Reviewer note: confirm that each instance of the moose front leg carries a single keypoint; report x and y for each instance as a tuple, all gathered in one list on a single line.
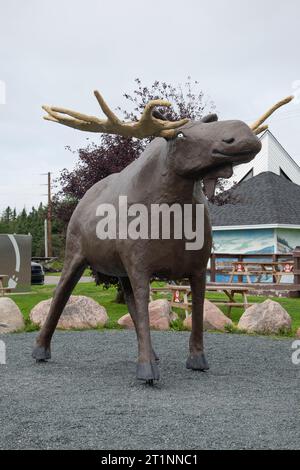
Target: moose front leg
[(196, 359), (147, 368)]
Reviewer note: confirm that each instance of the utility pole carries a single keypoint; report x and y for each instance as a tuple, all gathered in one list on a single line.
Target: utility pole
[(48, 220), (46, 238), (49, 217)]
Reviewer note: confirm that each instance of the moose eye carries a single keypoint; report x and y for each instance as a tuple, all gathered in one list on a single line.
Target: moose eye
[(180, 135)]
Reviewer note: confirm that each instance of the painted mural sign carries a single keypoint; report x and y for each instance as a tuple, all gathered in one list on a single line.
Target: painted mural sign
[(256, 241), (244, 241), (287, 239), (269, 240), (15, 261)]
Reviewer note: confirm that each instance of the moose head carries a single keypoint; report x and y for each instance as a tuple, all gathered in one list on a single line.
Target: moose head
[(208, 150)]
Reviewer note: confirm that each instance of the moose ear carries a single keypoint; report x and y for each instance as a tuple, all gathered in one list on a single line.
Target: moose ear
[(209, 118)]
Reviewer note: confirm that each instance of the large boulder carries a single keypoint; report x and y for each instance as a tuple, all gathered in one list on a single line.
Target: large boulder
[(160, 316), (11, 318), (126, 322), (268, 317), (213, 318), (80, 312)]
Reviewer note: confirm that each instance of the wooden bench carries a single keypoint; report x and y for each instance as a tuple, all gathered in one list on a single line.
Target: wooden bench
[(181, 295), (230, 291), (259, 269), (3, 290), (268, 288)]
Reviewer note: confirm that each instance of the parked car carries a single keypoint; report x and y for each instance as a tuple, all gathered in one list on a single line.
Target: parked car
[(37, 273)]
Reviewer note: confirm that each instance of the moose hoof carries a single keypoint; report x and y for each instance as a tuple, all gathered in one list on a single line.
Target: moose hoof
[(147, 371), (197, 362), (41, 354)]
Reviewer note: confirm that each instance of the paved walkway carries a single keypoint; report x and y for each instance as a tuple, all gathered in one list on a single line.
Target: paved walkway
[(53, 280), (87, 395)]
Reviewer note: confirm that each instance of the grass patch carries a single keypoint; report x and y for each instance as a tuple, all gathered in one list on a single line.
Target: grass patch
[(86, 273), (106, 297)]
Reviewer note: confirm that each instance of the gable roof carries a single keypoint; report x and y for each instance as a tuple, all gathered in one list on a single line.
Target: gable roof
[(264, 199), (272, 157)]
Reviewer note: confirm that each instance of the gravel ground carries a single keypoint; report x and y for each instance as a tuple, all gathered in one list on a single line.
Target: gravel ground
[(87, 396)]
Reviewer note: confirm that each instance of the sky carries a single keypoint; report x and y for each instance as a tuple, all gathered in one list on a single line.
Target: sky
[(245, 55)]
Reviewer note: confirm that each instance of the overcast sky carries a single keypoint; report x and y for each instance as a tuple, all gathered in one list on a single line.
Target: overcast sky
[(244, 53)]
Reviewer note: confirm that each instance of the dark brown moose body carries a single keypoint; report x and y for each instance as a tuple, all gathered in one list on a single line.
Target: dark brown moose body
[(168, 172)]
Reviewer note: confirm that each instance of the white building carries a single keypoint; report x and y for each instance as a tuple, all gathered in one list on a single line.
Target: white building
[(272, 157), (264, 213)]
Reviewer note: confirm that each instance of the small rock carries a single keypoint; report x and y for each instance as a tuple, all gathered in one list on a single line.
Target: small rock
[(160, 316), (11, 318), (213, 318), (266, 317), (80, 312)]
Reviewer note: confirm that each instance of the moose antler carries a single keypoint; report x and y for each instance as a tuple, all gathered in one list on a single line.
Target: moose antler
[(147, 126), (257, 125)]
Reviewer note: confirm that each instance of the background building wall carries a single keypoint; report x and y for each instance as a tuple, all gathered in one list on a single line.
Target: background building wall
[(259, 164), (280, 159), (287, 239), (244, 241), (272, 157)]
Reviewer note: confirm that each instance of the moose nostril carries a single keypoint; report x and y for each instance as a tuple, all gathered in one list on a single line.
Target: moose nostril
[(229, 141)]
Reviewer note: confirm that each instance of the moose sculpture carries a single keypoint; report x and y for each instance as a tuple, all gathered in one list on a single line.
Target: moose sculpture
[(167, 172)]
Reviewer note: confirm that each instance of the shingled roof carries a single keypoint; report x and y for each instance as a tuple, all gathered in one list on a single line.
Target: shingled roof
[(264, 199)]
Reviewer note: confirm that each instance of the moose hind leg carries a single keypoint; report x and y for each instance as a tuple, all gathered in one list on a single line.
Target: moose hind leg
[(147, 368), (72, 272), (197, 359), (129, 297)]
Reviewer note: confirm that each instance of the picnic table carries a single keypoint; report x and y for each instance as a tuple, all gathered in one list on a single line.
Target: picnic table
[(181, 295), (3, 290), (259, 269)]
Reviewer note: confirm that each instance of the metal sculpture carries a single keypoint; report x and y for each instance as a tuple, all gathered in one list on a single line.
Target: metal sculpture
[(167, 172)]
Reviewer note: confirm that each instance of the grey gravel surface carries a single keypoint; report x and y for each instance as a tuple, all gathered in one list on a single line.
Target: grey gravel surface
[(87, 397)]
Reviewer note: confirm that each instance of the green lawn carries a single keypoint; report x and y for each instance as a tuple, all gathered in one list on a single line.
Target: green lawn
[(106, 298), (87, 273)]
